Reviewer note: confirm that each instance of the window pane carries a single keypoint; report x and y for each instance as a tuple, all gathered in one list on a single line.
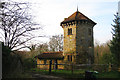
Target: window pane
[(44, 61), (71, 58), (68, 58), (69, 31)]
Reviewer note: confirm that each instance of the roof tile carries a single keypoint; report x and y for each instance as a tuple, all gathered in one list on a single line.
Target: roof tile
[(76, 17), (51, 55)]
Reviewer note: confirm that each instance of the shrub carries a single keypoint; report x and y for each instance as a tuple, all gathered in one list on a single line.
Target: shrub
[(29, 63)]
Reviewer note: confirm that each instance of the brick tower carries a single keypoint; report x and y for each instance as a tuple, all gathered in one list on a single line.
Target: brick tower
[(78, 39)]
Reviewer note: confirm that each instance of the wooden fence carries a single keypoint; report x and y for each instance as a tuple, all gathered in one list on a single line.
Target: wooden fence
[(95, 67)]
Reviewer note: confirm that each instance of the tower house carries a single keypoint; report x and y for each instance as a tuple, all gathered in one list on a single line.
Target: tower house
[(78, 44)]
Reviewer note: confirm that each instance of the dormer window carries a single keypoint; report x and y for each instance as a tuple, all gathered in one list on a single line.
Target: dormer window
[(69, 31)]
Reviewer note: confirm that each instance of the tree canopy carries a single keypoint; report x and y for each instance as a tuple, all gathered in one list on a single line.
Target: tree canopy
[(115, 42)]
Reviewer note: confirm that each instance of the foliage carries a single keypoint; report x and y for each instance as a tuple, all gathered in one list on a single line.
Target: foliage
[(29, 63), (11, 63), (106, 58), (115, 42), (17, 25), (103, 54), (6, 59)]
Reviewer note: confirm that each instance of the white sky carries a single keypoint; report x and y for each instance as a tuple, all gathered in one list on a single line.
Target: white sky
[(49, 13)]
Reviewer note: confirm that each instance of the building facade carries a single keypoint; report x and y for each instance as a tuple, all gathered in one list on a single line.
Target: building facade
[(78, 39), (78, 47), (56, 58)]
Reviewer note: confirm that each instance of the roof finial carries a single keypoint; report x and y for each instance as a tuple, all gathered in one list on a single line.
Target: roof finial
[(77, 8)]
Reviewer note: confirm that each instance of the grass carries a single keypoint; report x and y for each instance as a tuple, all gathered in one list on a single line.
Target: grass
[(77, 73), (64, 74), (61, 73), (18, 75), (112, 74), (68, 73)]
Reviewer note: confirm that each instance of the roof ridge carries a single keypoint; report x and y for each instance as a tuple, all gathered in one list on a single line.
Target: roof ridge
[(77, 16)]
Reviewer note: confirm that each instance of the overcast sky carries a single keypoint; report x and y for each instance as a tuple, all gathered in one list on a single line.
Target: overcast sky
[(49, 13)]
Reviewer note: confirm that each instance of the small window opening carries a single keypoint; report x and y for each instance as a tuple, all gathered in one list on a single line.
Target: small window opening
[(44, 61), (69, 57), (69, 31)]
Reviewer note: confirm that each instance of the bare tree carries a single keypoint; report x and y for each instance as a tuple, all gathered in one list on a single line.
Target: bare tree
[(32, 47), (56, 43), (17, 26), (42, 48)]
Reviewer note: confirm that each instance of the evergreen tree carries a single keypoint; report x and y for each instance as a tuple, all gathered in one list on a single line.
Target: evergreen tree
[(115, 42)]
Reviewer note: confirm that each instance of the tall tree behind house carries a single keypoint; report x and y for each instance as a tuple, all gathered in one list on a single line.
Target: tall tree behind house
[(56, 43)]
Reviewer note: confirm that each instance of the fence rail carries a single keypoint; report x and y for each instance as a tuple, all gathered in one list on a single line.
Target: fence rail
[(97, 67), (78, 64)]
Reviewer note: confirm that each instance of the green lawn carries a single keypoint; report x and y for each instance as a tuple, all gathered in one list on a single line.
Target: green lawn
[(112, 74), (77, 73), (65, 74), (18, 75), (62, 73)]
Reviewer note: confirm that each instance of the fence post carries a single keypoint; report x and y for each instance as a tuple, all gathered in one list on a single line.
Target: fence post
[(72, 68), (109, 67), (50, 63), (119, 69)]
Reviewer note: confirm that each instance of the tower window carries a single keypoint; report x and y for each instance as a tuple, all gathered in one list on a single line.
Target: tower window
[(44, 61), (90, 44), (69, 57), (89, 31), (69, 31)]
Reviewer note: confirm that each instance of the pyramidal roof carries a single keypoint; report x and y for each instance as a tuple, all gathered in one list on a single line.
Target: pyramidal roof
[(76, 17)]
